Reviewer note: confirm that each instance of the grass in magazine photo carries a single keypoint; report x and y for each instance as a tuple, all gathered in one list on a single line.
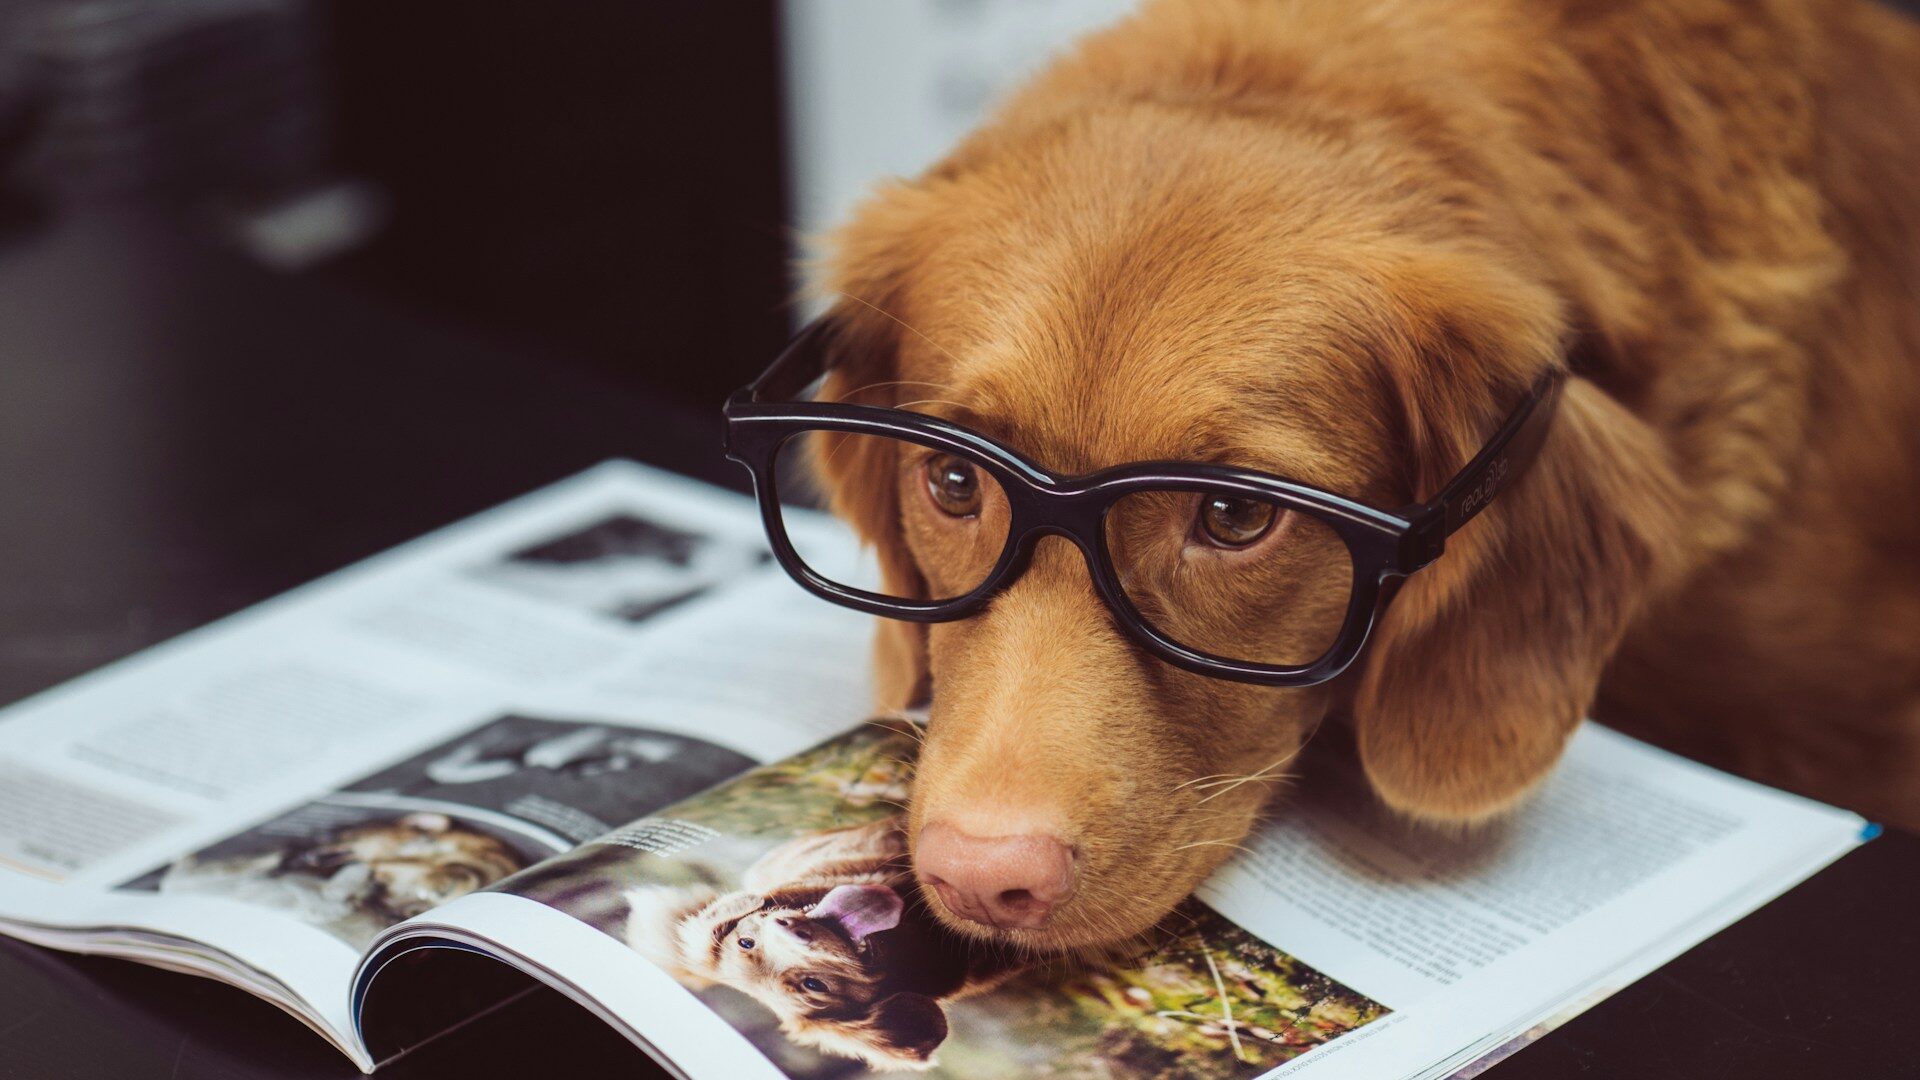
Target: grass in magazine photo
[(784, 900), (452, 819)]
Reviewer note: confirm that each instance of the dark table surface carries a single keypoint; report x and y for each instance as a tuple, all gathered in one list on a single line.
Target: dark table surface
[(183, 434)]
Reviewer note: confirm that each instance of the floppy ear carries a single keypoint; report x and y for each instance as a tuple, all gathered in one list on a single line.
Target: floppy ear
[(859, 475), (901, 1033), (909, 1028), (1488, 659), (866, 269), (655, 914)]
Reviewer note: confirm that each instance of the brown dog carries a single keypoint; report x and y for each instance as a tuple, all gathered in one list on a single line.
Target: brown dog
[(827, 933), (1335, 240)]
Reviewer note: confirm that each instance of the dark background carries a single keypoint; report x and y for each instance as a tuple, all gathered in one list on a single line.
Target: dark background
[(570, 242), (601, 180), (602, 177)]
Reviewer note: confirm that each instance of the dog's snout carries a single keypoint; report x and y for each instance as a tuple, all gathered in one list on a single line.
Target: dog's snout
[(1007, 882)]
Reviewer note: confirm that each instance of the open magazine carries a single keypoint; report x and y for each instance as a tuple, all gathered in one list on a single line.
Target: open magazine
[(594, 741)]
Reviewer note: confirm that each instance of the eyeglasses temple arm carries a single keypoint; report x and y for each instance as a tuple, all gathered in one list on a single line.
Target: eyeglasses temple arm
[(798, 365), (1504, 459)]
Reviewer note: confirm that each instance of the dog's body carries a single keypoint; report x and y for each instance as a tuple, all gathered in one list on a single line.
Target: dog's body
[(1334, 240), (880, 970), (1789, 647)]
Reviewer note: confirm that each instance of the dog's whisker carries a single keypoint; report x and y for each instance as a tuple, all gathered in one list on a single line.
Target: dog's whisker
[(1202, 779), (893, 726), (1223, 842), (839, 447), (882, 385), (930, 401), (1262, 775), (904, 325), (1238, 779)]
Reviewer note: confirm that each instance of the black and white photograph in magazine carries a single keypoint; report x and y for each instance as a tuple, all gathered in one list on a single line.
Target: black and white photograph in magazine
[(456, 817), (622, 567)]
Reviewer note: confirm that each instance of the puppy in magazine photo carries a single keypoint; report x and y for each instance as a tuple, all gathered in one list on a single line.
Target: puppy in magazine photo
[(829, 933), (359, 880)]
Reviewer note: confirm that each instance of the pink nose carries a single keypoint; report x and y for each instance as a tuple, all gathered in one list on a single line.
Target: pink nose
[(1007, 882)]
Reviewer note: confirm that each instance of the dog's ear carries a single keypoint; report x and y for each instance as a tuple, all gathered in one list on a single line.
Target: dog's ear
[(1488, 658), (899, 1032), (909, 1028), (655, 916), (859, 477), (866, 269)]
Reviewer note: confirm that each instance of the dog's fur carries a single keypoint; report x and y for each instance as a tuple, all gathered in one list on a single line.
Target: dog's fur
[(881, 996), (358, 880), (1335, 240)]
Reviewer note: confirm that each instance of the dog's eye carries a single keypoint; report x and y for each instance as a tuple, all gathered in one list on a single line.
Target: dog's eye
[(817, 986), (1232, 522), (954, 484), (745, 943)]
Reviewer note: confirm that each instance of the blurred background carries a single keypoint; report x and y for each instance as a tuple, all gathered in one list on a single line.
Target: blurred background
[(605, 183), (286, 282), (616, 184)]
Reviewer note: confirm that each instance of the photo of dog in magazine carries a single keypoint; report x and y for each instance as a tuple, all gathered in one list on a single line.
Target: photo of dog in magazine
[(455, 818), (798, 919)]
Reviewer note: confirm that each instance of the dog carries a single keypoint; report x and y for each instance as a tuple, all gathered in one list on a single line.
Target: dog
[(826, 932), (358, 880), (1336, 240)]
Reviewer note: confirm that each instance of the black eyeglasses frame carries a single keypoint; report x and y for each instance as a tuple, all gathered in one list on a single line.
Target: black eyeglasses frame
[(1384, 546)]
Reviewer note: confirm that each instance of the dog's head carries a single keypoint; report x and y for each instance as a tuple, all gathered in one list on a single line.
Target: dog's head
[(1305, 294), (814, 956), (408, 866)]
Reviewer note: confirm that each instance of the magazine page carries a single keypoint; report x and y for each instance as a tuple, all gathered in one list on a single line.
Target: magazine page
[(257, 799), (770, 926), (1625, 857)]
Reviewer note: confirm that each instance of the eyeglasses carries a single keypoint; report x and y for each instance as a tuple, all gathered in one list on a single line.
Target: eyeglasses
[(1224, 571)]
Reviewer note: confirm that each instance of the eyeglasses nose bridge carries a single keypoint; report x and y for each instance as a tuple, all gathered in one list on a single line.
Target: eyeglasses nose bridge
[(1083, 535)]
